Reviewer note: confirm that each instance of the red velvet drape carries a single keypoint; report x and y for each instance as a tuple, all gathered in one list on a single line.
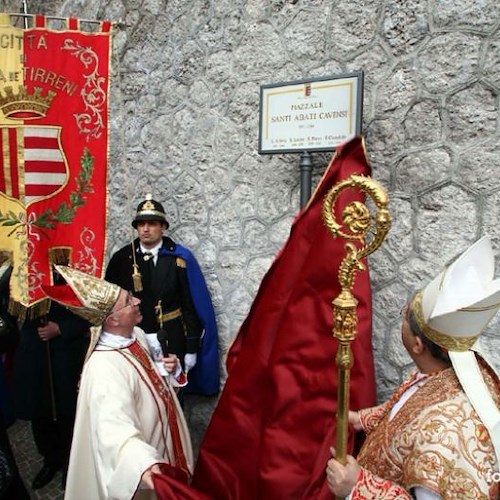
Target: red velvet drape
[(270, 434)]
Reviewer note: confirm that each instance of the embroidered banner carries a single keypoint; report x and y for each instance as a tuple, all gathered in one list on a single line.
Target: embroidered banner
[(54, 87)]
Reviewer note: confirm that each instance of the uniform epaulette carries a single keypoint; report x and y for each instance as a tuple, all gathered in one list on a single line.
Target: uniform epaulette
[(180, 262)]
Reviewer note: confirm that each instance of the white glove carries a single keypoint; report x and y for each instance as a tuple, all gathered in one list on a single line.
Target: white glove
[(189, 361)]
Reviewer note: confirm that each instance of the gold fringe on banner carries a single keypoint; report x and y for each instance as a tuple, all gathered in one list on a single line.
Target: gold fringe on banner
[(35, 311), (60, 255)]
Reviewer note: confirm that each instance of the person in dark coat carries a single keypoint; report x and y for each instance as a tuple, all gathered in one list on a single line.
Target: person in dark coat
[(47, 368), (11, 483), (173, 293)]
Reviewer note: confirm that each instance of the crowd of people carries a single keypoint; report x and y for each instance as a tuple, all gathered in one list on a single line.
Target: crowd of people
[(149, 347), (113, 422)]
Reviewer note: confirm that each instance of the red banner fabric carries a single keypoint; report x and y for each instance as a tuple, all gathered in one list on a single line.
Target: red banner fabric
[(54, 88), (270, 434)]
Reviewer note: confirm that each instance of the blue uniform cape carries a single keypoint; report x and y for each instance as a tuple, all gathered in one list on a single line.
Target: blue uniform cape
[(204, 377)]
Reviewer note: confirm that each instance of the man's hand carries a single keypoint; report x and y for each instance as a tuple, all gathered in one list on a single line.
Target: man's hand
[(341, 479), (353, 419), (189, 361), (147, 477), (49, 331), (171, 362)]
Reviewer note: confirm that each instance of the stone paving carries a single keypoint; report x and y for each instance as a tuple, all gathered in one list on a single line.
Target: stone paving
[(30, 462)]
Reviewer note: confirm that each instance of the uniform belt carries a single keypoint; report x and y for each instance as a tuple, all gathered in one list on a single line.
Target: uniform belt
[(170, 315)]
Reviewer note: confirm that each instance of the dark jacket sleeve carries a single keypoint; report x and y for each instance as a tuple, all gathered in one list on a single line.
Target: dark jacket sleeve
[(113, 270), (194, 328), (119, 269)]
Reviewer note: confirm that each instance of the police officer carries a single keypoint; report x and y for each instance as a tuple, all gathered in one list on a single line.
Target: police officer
[(156, 270)]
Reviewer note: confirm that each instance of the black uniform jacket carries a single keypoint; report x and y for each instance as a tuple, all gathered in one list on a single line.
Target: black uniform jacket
[(164, 284)]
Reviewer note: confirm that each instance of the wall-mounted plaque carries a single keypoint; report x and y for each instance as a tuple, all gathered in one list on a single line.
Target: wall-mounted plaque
[(310, 115)]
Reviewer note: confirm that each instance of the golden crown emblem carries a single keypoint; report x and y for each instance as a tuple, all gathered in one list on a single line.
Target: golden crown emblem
[(25, 104)]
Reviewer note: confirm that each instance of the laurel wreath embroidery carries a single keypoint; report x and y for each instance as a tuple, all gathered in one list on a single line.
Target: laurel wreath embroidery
[(65, 212)]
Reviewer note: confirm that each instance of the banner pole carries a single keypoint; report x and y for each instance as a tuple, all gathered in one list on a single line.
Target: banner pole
[(24, 10), (26, 16), (306, 166)]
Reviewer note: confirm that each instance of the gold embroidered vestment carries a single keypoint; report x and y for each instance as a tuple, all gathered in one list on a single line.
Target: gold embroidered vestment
[(435, 440)]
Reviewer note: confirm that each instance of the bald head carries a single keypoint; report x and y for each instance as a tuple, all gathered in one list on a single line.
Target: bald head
[(124, 315)]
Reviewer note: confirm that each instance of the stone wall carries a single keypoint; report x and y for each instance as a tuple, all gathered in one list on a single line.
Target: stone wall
[(184, 125)]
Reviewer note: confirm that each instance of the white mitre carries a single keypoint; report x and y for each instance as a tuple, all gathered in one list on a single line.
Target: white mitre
[(453, 310)]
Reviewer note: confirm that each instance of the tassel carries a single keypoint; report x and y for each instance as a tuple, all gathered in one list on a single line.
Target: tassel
[(62, 257), (137, 279)]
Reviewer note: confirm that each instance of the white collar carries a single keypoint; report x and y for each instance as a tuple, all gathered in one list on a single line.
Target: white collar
[(115, 341), (153, 251)]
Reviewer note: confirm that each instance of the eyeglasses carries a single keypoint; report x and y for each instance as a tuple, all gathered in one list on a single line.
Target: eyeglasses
[(130, 302)]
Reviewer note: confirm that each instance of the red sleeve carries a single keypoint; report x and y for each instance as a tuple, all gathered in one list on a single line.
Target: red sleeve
[(370, 487)]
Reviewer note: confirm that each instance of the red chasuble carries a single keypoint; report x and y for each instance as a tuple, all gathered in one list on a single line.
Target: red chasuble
[(270, 434)]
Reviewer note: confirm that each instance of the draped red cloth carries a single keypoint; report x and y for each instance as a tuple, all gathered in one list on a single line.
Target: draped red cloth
[(171, 484), (270, 434)]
